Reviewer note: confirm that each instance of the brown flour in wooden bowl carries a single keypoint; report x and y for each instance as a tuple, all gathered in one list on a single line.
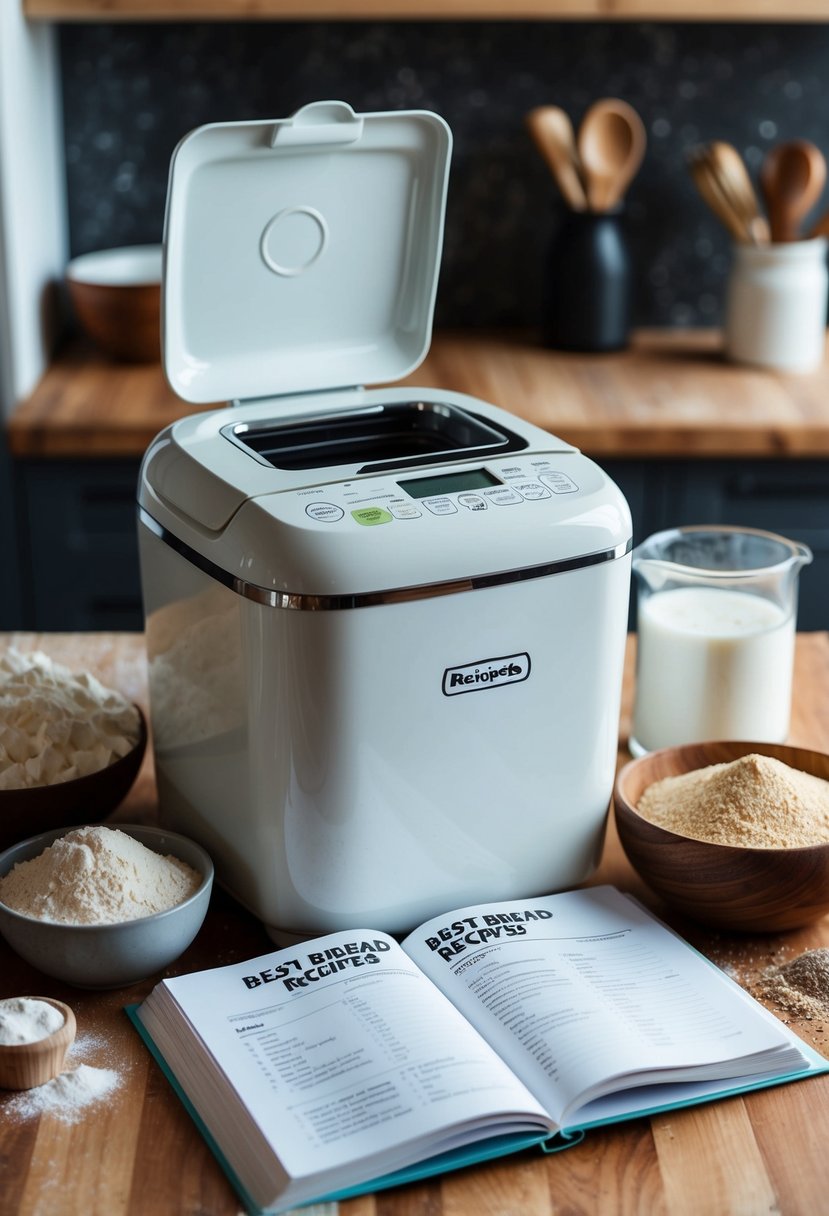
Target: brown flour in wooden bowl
[(756, 800), (733, 834)]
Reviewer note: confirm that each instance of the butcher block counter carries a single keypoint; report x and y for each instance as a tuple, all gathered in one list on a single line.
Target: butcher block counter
[(671, 394), (138, 1153)]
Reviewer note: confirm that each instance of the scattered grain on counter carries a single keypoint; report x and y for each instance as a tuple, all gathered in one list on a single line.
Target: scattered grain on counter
[(800, 986), (97, 876), (756, 801)]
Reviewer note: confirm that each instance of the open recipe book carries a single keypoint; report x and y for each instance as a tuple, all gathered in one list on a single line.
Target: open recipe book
[(352, 1062)]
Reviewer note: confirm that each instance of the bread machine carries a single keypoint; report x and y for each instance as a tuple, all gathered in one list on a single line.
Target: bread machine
[(385, 626)]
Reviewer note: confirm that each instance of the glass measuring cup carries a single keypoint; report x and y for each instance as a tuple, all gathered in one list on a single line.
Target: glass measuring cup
[(716, 611)]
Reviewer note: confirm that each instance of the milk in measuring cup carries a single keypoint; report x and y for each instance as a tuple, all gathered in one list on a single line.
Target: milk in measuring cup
[(712, 664)]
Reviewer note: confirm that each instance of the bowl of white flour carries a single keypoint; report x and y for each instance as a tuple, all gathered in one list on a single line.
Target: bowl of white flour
[(103, 907), (70, 747)]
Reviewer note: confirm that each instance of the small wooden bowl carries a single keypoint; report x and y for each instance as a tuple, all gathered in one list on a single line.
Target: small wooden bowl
[(116, 295), (25, 1065), (730, 886)]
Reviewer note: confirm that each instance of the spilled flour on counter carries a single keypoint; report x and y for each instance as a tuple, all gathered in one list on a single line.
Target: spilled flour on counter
[(69, 1096), (66, 1097), (97, 876)]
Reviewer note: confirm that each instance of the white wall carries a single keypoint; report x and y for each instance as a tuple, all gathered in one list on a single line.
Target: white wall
[(33, 229)]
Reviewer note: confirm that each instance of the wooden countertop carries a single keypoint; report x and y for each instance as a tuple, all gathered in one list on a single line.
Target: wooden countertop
[(139, 1155), (670, 395)]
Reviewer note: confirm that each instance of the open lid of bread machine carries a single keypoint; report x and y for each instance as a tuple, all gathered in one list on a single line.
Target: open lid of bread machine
[(302, 254)]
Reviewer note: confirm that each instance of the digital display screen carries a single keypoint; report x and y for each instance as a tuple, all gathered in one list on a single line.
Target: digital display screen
[(449, 483)]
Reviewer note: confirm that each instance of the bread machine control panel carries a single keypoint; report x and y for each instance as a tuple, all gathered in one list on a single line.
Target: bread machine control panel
[(491, 488)]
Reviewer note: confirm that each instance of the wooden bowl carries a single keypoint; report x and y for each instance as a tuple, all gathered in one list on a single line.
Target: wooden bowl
[(730, 886), (116, 296), (29, 812), (25, 1065)]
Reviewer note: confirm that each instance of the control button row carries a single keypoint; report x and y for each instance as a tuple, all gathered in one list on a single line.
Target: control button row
[(533, 490), (500, 496)]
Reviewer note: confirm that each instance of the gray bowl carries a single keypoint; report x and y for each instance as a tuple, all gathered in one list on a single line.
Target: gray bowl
[(109, 956)]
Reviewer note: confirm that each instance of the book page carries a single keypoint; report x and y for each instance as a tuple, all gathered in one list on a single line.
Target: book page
[(584, 992), (339, 1049)]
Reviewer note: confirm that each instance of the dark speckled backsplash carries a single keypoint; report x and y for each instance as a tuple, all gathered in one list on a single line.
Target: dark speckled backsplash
[(131, 91)]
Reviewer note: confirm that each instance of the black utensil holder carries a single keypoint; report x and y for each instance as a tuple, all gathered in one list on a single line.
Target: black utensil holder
[(588, 289)]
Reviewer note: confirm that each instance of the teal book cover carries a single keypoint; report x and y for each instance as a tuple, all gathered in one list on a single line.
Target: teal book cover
[(354, 1062)]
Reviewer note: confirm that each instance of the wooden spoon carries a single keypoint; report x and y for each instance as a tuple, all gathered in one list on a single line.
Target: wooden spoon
[(611, 145), (792, 178), (735, 182), (708, 184), (552, 132)]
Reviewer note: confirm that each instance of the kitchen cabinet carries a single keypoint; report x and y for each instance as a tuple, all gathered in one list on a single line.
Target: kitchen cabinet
[(385, 10), (80, 547), (11, 607), (792, 499), (689, 439)]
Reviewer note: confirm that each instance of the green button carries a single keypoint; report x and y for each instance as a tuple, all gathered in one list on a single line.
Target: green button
[(371, 515)]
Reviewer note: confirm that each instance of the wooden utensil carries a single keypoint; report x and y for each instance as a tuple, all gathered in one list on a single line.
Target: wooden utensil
[(611, 146), (25, 1065), (553, 135), (709, 186), (730, 886), (732, 174), (792, 178)]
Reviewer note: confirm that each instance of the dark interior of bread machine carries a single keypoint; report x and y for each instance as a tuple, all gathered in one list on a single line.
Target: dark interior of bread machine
[(386, 437)]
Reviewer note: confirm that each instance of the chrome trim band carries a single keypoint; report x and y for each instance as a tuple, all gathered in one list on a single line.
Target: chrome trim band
[(371, 599)]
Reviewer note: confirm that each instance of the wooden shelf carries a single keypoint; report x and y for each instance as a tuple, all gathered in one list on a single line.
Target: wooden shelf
[(423, 10), (670, 395)]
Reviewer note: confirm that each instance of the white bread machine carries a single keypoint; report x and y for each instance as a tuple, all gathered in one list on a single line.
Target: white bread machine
[(385, 627)]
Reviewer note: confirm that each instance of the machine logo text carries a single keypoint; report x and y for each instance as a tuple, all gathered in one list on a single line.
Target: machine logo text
[(486, 673)]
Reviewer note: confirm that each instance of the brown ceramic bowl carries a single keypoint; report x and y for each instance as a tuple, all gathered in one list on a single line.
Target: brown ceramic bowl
[(730, 886), (28, 812), (116, 295)]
